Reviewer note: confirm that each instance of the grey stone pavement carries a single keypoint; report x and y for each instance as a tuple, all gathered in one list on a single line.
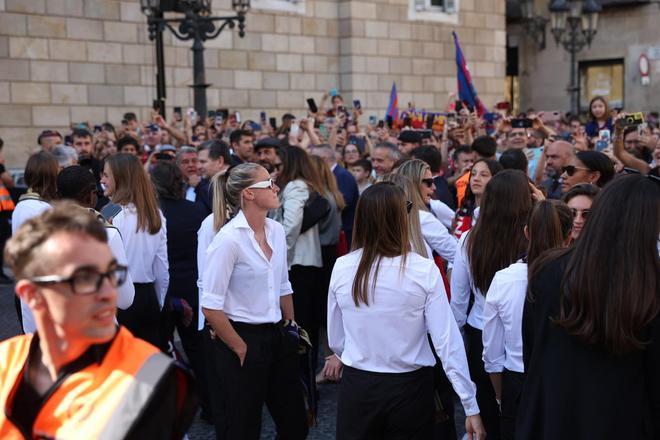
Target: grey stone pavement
[(200, 430)]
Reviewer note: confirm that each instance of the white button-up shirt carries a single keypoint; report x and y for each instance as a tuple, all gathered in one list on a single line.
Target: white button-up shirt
[(238, 278), (502, 317), (461, 286), (205, 236), (437, 236), (146, 253), (390, 334)]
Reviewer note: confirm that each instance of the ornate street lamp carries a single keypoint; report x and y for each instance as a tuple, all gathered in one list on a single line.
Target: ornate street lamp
[(197, 24), (534, 24), (574, 24)]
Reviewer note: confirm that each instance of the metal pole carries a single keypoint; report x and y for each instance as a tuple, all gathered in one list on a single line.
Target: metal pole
[(199, 77), (573, 50), (161, 94)]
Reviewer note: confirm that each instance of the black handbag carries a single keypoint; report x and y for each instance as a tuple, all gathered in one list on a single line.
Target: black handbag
[(316, 209)]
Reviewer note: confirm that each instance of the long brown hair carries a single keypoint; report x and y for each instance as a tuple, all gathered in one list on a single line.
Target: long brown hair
[(297, 165), (132, 185), (413, 195), (498, 239), (328, 181), (548, 227), (621, 237), (380, 230), (41, 173)]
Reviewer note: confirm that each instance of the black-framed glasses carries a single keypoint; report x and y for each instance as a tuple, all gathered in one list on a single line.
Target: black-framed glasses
[(584, 213), (409, 206), (571, 169), (428, 182), (86, 281)]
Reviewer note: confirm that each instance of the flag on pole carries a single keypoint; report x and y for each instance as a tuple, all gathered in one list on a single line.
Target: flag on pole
[(466, 91), (393, 106)]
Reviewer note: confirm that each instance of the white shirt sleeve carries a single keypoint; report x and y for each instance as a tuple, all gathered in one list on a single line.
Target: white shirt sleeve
[(335, 324), (161, 266), (460, 283), (204, 238), (493, 333), (220, 258), (442, 212), (285, 284), (437, 236), (126, 292), (448, 344)]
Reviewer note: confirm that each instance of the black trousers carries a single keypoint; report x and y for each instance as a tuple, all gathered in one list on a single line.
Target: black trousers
[(489, 411), (307, 299), (143, 317), (512, 385), (392, 406), (269, 374)]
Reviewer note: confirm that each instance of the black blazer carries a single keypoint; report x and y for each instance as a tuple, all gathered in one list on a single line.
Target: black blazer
[(580, 392), (203, 196)]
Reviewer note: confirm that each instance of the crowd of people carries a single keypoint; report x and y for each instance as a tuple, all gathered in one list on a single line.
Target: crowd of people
[(509, 262)]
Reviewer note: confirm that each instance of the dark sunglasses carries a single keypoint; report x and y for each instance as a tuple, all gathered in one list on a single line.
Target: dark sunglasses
[(428, 182), (571, 169), (409, 206), (585, 213)]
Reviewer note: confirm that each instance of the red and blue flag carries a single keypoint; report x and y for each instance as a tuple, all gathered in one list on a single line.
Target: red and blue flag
[(393, 106), (466, 91)]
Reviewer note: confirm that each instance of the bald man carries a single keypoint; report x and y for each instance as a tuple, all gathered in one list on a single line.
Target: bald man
[(557, 155)]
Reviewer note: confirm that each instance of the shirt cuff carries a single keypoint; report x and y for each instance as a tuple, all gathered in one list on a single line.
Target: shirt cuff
[(212, 301), (471, 407)]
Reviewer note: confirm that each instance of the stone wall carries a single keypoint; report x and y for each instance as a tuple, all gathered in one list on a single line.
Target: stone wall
[(623, 33), (66, 61)]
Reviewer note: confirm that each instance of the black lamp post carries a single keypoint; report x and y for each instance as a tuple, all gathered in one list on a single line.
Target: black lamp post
[(574, 24), (534, 24), (198, 25)]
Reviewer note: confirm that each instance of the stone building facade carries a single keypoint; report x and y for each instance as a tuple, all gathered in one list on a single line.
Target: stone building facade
[(66, 61), (626, 30)]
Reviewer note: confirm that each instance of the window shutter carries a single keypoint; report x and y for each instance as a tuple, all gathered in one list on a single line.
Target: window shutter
[(450, 6), (420, 5)]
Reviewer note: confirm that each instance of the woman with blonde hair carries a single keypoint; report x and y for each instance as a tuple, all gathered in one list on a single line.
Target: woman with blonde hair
[(247, 299), (143, 230), (383, 302), (435, 234)]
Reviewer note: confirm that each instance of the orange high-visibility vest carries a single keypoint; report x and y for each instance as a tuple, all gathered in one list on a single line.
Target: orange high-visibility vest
[(101, 401), (6, 203)]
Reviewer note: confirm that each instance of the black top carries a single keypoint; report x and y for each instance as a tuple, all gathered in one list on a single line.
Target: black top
[(575, 391), (163, 417), (349, 189)]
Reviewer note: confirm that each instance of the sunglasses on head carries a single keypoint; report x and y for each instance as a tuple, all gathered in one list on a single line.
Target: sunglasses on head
[(571, 169), (428, 182)]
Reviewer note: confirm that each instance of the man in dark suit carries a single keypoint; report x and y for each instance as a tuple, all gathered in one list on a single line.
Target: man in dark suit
[(213, 158), (347, 185)]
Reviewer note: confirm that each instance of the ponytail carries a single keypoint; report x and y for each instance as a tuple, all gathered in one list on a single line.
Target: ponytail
[(227, 190)]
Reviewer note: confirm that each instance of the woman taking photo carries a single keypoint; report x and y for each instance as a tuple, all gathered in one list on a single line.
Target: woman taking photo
[(299, 180), (579, 200), (246, 294), (466, 216), (587, 167), (548, 227), (607, 326), (494, 243), (382, 302), (142, 228)]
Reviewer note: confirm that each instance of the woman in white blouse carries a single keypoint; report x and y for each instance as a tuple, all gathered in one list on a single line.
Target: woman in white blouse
[(383, 301), (41, 178), (495, 242), (143, 231), (548, 227), (246, 295)]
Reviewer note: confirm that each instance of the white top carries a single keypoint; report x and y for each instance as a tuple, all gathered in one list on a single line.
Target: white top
[(146, 253), (205, 236), (25, 210), (442, 212), (390, 334), (502, 318), (303, 249), (437, 236), (238, 278), (461, 286)]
